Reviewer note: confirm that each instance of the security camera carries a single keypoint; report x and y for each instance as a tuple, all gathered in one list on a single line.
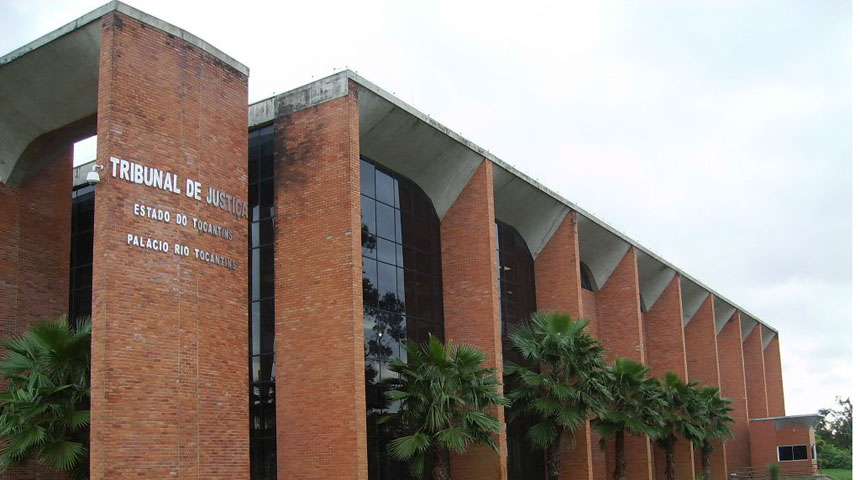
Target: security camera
[(93, 177)]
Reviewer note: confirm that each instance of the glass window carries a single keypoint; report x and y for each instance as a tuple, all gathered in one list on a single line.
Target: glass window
[(261, 308), (791, 453), (81, 257), (402, 293)]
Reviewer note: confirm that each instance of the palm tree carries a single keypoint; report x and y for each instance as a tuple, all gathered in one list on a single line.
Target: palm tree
[(634, 407), (679, 416), (44, 411), (560, 386), (445, 397), (714, 419)]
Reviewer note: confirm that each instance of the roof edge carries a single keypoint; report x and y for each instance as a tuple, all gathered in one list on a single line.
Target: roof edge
[(117, 6)]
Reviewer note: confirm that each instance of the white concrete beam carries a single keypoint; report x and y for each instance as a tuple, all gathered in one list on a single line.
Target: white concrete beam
[(723, 312), (599, 249), (654, 277), (692, 298)]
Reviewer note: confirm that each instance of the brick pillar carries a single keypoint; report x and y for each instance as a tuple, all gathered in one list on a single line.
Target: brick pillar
[(35, 227), (621, 332), (773, 375), (703, 365), (471, 299), (319, 338), (754, 374), (733, 386), (558, 287), (666, 352), (170, 344)]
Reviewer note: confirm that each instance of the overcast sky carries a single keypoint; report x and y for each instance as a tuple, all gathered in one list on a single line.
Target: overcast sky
[(716, 133)]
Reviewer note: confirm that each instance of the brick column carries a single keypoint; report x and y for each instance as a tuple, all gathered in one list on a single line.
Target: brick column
[(319, 339), (754, 374), (703, 365), (666, 352), (170, 344), (471, 299), (620, 326), (733, 386), (35, 231), (558, 287), (773, 375)]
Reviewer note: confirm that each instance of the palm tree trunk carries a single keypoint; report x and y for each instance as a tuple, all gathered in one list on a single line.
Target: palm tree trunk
[(553, 460), (441, 464), (670, 458), (706, 464), (620, 467)]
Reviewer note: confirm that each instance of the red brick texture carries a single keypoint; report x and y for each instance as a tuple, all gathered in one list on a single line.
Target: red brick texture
[(170, 345), (666, 352), (755, 377), (773, 376), (471, 300), (765, 438), (620, 327), (733, 386), (319, 339), (558, 287), (34, 259), (703, 365)]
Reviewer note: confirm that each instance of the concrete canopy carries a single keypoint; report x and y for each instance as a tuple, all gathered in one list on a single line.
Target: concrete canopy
[(654, 277), (747, 325), (767, 335), (692, 298), (535, 215), (723, 311), (49, 90), (808, 421), (600, 250)]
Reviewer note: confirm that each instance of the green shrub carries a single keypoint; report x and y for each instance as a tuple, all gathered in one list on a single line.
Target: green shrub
[(773, 471), (831, 456)]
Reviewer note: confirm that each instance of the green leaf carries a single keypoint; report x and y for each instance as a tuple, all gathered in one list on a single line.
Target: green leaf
[(62, 455)]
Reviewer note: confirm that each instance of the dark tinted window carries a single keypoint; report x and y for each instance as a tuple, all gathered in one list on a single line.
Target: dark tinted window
[(517, 298), (402, 289), (261, 307), (81, 255)]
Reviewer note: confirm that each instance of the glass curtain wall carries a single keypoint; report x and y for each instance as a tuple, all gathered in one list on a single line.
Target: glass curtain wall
[(518, 302), (81, 258), (261, 308), (402, 289)]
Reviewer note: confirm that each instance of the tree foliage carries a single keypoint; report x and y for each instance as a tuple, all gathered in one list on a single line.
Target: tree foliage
[(714, 419), (560, 386), (679, 417), (44, 410), (445, 397), (833, 435)]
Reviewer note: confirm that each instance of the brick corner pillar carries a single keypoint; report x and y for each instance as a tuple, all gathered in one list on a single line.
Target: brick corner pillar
[(666, 352), (755, 374), (319, 339), (558, 287), (621, 332), (733, 386), (773, 375), (170, 302), (703, 365), (471, 299), (35, 227)]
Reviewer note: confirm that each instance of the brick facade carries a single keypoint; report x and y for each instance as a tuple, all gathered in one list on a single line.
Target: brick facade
[(621, 331), (471, 300), (319, 339), (755, 378), (733, 386), (170, 345), (558, 287), (773, 376), (34, 259)]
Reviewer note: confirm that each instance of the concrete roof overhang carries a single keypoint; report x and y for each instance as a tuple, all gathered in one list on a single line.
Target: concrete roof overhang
[(654, 277), (49, 90), (692, 298), (808, 421), (441, 161), (748, 323), (767, 336)]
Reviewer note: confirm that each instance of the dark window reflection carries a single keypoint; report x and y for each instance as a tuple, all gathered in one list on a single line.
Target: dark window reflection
[(261, 308), (402, 289), (517, 298), (81, 255)]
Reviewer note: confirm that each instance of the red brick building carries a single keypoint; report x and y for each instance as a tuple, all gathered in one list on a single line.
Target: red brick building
[(250, 271)]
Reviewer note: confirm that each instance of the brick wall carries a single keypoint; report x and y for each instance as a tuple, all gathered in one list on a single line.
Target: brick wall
[(170, 346), (471, 300), (35, 229), (620, 326), (558, 287), (666, 352), (773, 376), (733, 386), (703, 365), (319, 339), (755, 377)]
